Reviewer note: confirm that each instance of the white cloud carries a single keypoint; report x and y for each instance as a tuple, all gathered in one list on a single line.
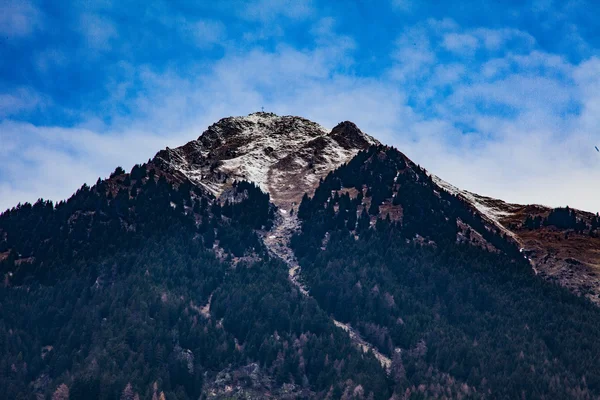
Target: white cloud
[(269, 10), (263, 33), (447, 74), (97, 30), (19, 100), (49, 58), (208, 32), (271, 16), (18, 18), (497, 39), (540, 154), (414, 55), (53, 162), (467, 42), (461, 43), (402, 5)]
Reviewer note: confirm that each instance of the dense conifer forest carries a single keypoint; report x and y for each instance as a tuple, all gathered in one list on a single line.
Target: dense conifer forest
[(437, 304), (145, 286), (105, 297)]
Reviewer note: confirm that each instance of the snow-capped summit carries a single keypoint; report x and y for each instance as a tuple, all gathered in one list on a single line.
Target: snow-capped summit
[(285, 155)]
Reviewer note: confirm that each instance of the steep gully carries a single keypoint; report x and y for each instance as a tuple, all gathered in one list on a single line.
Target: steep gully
[(277, 241)]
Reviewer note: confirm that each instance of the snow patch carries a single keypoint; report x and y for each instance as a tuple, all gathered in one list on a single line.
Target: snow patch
[(385, 362), (492, 213), (284, 155), (277, 243)]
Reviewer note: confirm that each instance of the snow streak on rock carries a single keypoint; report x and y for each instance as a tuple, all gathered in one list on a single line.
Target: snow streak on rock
[(285, 155), (277, 241), (365, 346), (489, 208)]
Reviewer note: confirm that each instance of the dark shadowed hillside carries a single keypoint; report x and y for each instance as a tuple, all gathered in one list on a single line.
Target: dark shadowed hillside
[(419, 275), (155, 290), (271, 258)]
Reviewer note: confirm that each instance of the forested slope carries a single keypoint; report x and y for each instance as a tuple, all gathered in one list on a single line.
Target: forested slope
[(142, 287), (147, 286), (402, 275)]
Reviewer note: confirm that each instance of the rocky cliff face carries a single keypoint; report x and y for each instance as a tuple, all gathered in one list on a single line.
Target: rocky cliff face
[(285, 155)]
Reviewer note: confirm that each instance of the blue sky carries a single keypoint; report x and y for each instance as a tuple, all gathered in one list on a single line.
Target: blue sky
[(498, 97)]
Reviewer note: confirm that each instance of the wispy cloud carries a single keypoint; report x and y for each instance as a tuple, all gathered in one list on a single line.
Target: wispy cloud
[(460, 43), (53, 162), (98, 31), (209, 32), (268, 10), (489, 108), (517, 126), (19, 18), (402, 5), (19, 100)]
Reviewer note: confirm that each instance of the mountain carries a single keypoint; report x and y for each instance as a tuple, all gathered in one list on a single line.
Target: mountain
[(561, 244), (271, 258), (285, 156)]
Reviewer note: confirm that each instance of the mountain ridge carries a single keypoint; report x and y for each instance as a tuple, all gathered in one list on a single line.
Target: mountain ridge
[(286, 156), (562, 254), (367, 278)]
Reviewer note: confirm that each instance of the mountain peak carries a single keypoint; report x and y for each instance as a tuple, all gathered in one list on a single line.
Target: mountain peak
[(345, 125), (350, 136), (263, 114), (285, 155)]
